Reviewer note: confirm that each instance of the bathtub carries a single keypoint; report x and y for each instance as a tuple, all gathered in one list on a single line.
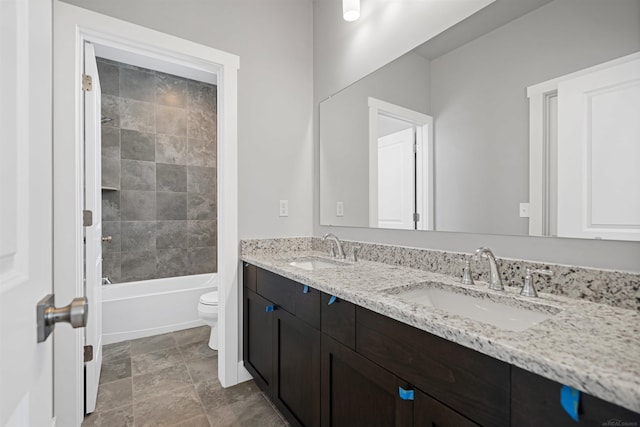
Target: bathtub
[(140, 309)]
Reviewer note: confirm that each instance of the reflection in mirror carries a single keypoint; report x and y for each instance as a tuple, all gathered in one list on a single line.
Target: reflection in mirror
[(522, 121)]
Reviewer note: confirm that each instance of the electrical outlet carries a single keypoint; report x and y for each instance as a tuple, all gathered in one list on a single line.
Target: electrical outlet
[(524, 210), (284, 208), (339, 208)]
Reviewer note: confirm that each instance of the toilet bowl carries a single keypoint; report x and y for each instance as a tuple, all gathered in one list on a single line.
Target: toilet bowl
[(208, 312)]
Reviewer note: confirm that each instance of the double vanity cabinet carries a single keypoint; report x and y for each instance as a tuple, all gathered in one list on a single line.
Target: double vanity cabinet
[(325, 361)]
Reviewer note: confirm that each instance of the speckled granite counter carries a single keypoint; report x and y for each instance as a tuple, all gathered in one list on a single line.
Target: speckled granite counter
[(592, 347)]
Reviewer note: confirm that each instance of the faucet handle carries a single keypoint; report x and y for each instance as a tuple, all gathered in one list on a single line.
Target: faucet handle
[(467, 276), (529, 289), (353, 256)]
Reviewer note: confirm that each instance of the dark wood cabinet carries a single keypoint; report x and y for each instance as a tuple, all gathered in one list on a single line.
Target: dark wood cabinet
[(296, 384), (339, 320), (535, 401), (258, 339), (429, 412), (357, 392)]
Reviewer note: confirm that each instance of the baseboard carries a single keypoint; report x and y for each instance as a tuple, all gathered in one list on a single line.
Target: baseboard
[(243, 374), (131, 335)]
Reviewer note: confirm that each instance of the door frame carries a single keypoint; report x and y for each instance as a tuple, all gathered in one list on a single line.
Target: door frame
[(72, 27)]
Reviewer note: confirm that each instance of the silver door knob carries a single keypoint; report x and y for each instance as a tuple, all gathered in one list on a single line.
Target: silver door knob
[(48, 315)]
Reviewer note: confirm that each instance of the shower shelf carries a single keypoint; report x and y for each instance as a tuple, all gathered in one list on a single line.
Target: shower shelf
[(104, 188)]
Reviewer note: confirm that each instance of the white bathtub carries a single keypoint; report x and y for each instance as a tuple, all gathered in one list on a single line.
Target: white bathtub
[(140, 309)]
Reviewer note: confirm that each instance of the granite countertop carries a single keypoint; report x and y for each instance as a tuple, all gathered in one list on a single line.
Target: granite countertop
[(591, 347)]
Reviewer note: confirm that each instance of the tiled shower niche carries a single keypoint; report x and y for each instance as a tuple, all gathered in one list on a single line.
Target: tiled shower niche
[(159, 143)]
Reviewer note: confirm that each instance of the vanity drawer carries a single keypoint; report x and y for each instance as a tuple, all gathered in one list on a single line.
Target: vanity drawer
[(471, 383), (249, 276), (277, 289), (308, 305), (339, 320)]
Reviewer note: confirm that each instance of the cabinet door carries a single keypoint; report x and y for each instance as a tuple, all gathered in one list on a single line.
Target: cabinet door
[(297, 369), (258, 336), (535, 401), (357, 392), (430, 412)]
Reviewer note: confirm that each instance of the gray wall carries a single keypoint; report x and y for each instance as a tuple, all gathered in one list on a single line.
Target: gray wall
[(481, 111), (275, 95), (159, 153), (333, 40)]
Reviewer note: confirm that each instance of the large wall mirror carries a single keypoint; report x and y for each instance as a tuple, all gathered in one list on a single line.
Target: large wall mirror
[(523, 119)]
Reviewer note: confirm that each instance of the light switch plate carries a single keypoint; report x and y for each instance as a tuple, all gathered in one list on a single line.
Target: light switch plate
[(339, 208), (524, 210), (284, 208)]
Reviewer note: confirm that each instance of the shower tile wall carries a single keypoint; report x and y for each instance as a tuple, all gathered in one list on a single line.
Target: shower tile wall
[(158, 174)]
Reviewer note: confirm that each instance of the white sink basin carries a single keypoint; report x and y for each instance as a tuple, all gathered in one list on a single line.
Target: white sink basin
[(311, 264), (515, 315)]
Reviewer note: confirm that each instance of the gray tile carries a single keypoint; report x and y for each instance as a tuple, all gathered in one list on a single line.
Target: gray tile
[(138, 236), (253, 411), (111, 266), (115, 351), (201, 180), (171, 149), (204, 369), (168, 409), (201, 233), (112, 228), (213, 396), (153, 361), (202, 260), (110, 205), (171, 120), (121, 417), (138, 145), (199, 421), (171, 234), (164, 381), (201, 206), (171, 177), (137, 115), (171, 90), (110, 106), (110, 171), (115, 394), (172, 263), (202, 125), (192, 335), (197, 350), (171, 206), (152, 343), (201, 152), (137, 84), (138, 175), (110, 137), (109, 75), (138, 205), (115, 370), (202, 97), (138, 266)]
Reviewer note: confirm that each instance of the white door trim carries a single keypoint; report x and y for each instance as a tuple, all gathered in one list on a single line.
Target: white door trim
[(72, 26)]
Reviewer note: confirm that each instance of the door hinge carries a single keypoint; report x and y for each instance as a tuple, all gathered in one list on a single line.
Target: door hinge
[(88, 353), (416, 217), (87, 218), (87, 83)]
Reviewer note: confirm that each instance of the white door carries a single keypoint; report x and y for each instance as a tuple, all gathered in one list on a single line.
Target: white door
[(93, 233), (26, 366), (598, 154), (396, 180)]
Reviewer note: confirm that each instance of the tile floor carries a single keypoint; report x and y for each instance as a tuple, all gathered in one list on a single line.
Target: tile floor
[(172, 380)]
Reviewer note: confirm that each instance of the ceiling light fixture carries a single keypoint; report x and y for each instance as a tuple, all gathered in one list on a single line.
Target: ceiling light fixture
[(350, 10)]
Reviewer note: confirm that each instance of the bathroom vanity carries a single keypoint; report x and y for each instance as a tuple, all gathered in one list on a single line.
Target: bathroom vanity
[(338, 345)]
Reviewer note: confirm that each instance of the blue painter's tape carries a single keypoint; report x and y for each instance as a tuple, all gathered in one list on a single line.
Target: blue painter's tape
[(306, 289), (269, 308), (570, 400), (332, 299), (405, 394)]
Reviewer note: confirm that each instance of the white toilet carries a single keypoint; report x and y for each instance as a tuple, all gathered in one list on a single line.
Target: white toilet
[(208, 311)]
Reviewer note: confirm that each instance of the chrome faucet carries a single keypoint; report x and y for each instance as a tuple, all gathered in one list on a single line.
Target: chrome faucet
[(495, 281), (338, 245)]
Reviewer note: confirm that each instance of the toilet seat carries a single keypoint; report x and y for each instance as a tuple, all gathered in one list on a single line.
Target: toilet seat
[(210, 298)]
